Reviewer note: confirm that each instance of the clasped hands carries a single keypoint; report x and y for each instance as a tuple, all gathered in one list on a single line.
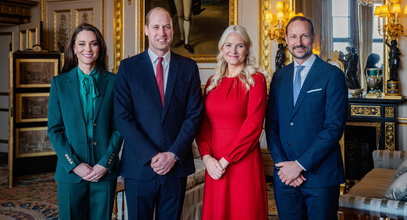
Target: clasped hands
[(216, 168), (290, 173), (163, 162), (88, 173)]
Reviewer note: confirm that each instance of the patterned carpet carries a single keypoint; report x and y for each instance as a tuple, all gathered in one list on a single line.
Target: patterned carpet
[(34, 197)]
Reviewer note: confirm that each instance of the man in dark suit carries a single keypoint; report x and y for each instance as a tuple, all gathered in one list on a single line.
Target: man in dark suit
[(158, 104), (304, 123)]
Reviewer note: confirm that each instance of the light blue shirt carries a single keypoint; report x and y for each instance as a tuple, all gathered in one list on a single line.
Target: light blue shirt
[(165, 63), (307, 67)]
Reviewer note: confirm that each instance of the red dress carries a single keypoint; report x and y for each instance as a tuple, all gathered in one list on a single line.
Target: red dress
[(231, 128)]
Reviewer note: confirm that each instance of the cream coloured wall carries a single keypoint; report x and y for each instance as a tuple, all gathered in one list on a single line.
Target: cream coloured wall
[(403, 79)]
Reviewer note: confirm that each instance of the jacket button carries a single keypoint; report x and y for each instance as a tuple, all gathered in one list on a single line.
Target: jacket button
[(292, 123), (162, 140), (95, 143), (95, 124)]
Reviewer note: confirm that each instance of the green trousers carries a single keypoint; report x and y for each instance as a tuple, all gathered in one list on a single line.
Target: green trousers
[(86, 200)]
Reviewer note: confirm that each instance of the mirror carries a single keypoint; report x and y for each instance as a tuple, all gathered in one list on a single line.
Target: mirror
[(355, 33), (351, 25)]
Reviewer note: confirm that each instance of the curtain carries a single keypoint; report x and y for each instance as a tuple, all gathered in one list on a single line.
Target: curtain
[(320, 12)]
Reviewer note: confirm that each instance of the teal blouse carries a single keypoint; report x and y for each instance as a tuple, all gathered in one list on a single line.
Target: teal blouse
[(88, 91)]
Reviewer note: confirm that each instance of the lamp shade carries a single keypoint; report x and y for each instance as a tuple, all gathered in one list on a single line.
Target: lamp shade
[(395, 8), (405, 10), (384, 10), (377, 10), (280, 15), (280, 6)]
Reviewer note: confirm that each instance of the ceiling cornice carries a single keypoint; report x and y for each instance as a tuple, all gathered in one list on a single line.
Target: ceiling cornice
[(16, 11)]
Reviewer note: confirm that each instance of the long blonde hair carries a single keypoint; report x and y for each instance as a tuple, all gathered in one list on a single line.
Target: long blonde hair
[(250, 62)]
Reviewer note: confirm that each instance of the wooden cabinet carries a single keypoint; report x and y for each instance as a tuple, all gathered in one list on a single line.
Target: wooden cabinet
[(30, 150)]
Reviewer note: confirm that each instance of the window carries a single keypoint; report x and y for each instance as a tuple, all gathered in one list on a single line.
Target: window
[(344, 18), (341, 25)]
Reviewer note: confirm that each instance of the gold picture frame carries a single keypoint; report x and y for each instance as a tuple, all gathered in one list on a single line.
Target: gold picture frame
[(32, 107), (35, 73), (204, 41), (33, 141)]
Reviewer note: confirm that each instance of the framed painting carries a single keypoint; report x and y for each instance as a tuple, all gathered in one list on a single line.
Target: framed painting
[(32, 107), (33, 141), (197, 31), (35, 73)]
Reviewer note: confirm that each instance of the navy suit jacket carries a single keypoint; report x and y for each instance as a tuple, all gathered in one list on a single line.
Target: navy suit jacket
[(147, 127), (310, 131)]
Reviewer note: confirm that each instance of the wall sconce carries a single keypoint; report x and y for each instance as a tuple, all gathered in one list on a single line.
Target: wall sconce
[(389, 11), (276, 22)]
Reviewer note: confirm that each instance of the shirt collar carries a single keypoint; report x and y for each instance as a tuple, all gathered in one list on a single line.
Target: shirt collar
[(92, 73), (154, 57), (307, 63)]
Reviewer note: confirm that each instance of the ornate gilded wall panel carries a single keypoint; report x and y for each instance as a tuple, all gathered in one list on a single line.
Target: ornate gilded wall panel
[(60, 18), (84, 15), (390, 137), (365, 110), (62, 28)]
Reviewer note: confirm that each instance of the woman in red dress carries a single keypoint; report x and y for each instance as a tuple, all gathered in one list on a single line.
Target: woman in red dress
[(228, 141)]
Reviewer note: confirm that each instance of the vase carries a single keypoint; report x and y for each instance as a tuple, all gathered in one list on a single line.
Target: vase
[(373, 81)]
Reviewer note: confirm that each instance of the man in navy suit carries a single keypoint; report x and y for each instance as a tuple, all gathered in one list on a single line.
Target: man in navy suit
[(305, 119), (158, 104)]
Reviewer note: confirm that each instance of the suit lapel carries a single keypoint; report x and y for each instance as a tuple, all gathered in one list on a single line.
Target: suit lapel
[(171, 79), (288, 89), (313, 75), (75, 96), (101, 86), (149, 78)]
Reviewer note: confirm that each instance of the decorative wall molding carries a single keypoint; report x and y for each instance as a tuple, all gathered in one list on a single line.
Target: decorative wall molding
[(16, 12), (61, 17)]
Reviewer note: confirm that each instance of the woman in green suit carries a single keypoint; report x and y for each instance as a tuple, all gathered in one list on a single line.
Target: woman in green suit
[(82, 130)]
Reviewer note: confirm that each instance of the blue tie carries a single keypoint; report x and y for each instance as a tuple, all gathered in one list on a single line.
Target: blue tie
[(297, 83)]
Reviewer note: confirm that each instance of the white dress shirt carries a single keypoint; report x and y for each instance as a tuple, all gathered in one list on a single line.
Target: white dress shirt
[(165, 63)]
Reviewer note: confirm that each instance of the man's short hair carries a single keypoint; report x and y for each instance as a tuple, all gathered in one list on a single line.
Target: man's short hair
[(300, 18), (156, 8)]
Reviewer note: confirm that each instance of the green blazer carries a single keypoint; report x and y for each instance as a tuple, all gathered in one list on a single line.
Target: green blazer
[(67, 129)]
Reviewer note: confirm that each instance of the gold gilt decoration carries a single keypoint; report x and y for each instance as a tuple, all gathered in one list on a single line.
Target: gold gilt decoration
[(61, 28), (390, 140), (118, 34), (16, 12), (264, 42), (365, 110), (389, 112), (84, 15)]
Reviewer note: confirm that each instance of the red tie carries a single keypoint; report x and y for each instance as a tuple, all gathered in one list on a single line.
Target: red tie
[(160, 79)]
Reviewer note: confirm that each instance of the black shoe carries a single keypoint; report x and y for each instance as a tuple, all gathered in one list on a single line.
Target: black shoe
[(189, 48), (179, 43)]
